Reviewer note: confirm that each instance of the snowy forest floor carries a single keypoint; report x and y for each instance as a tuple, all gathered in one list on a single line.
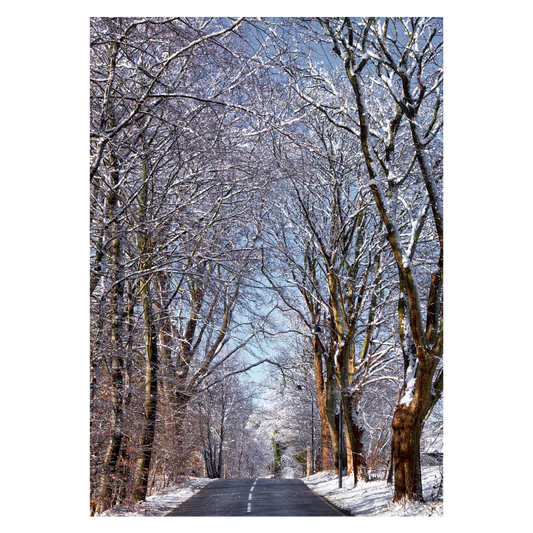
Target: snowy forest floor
[(161, 503), (375, 497), (366, 499)]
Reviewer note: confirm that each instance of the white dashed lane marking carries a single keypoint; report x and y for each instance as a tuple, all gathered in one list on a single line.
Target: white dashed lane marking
[(250, 497)]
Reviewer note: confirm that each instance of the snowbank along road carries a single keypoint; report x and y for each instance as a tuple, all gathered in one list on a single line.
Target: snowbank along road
[(260, 497)]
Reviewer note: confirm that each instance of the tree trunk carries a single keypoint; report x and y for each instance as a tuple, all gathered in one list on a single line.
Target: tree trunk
[(326, 449), (407, 425), (115, 367), (407, 429), (107, 468), (326, 407), (140, 480), (354, 438), (106, 472)]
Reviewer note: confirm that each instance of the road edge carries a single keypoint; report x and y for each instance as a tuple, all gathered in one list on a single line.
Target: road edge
[(343, 512)]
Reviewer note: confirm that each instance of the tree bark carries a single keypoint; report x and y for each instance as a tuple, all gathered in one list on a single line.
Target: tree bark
[(326, 405), (115, 367), (406, 429), (140, 479), (407, 425), (354, 438)]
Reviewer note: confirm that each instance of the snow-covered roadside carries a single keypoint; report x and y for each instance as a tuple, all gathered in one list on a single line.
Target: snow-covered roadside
[(366, 499), (375, 497), (163, 502)]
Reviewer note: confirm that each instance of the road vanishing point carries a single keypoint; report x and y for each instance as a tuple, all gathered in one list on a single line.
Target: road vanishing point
[(259, 497)]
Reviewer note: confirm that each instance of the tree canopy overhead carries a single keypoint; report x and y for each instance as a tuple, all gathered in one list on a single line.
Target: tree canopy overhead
[(251, 178)]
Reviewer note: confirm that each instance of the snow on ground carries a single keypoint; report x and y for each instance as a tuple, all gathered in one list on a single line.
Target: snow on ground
[(366, 499), (161, 503), (375, 497)]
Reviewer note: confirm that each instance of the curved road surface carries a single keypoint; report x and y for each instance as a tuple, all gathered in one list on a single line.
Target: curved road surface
[(259, 497)]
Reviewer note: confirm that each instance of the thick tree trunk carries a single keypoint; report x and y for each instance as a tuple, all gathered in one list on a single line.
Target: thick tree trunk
[(354, 438), (407, 425), (407, 429)]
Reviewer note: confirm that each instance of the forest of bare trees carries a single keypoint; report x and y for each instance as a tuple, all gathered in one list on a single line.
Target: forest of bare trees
[(266, 245)]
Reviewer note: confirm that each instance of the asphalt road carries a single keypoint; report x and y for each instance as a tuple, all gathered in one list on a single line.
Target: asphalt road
[(259, 497)]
